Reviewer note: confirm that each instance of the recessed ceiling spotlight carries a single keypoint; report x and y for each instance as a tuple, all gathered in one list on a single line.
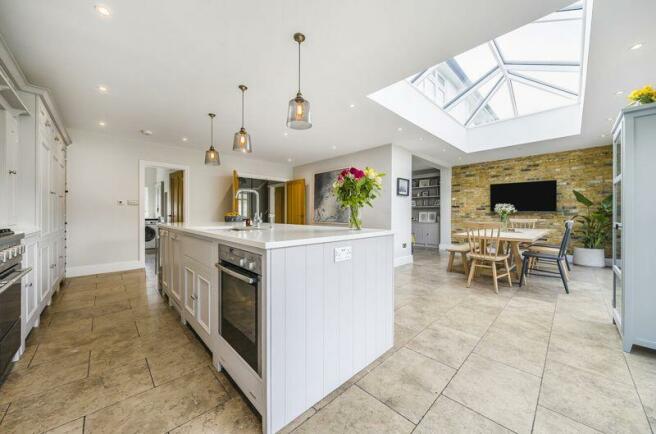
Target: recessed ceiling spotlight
[(334, 147), (636, 46), (289, 160), (352, 105), (459, 158), (184, 139), (285, 134), (619, 92), (443, 149), (399, 129), (103, 89), (101, 123), (146, 132), (611, 119), (421, 139), (103, 10)]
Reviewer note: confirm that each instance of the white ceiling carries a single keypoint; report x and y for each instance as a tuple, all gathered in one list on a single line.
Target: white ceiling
[(168, 63)]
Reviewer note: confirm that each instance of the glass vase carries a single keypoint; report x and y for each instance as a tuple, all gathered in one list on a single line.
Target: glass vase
[(354, 219)]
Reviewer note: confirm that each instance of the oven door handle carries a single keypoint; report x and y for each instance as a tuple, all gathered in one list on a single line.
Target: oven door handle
[(237, 275), (6, 284)]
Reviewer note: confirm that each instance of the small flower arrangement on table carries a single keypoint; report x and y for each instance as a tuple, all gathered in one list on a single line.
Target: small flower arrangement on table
[(355, 188), (646, 95), (504, 210)]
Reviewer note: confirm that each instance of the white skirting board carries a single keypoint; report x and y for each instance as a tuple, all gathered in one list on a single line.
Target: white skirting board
[(111, 267), (403, 260)]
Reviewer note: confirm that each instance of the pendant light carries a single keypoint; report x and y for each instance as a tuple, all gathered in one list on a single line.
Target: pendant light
[(212, 155), (242, 141), (298, 115)]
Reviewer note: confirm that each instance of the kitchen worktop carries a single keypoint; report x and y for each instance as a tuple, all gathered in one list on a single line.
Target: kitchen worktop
[(276, 235)]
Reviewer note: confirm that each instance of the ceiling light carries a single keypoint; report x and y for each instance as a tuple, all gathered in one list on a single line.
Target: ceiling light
[(242, 140), (603, 135), (636, 46), (352, 105), (212, 155), (334, 147), (103, 10), (619, 92), (101, 123), (184, 139), (298, 115), (289, 160), (443, 149), (285, 134), (610, 119), (103, 89), (399, 129), (146, 132), (421, 139)]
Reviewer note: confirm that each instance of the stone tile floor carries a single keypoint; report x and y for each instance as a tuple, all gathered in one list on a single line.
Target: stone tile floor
[(110, 356)]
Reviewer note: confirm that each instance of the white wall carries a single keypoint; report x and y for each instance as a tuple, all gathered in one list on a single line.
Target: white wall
[(445, 207), (102, 169), (389, 211)]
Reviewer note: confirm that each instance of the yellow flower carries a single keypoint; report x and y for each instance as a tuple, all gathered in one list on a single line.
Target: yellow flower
[(645, 95), (370, 173)]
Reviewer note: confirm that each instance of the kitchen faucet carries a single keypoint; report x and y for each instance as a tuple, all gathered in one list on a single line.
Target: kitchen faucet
[(257, 218)]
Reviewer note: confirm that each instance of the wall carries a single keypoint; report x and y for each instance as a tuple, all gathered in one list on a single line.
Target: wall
[(589, 171), (389, 211), (102, 169)]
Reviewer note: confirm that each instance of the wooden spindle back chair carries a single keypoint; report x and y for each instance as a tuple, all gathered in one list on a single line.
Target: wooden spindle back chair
[(485, 247), (522, 223)]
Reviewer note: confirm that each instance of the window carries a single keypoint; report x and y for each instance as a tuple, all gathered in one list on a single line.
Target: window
[(529, 70)]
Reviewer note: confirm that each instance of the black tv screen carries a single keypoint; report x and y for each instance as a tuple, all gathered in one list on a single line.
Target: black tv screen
[(526, 196)]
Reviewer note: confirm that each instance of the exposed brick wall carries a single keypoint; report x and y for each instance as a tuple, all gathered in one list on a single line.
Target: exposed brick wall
[(589, 171)]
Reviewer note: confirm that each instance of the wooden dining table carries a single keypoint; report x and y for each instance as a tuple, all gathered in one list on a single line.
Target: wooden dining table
[(514, 238)]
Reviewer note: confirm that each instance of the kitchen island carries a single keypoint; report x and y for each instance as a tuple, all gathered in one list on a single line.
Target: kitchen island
[(291, 312)]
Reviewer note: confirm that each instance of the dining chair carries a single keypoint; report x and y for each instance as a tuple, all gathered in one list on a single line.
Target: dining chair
[(522, 223), (550, 253), (483, 239), (461, 249)]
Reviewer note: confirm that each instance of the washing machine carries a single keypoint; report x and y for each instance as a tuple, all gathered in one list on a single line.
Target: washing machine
[(151, 233)]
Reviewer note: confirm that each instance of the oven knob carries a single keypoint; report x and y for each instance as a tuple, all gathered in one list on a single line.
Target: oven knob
[(16, 251), (242, 261), (3, 256), (9, 254), (250, 265)]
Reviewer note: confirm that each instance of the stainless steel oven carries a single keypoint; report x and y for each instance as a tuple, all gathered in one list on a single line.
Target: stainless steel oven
[(11, 274), (240, 283)]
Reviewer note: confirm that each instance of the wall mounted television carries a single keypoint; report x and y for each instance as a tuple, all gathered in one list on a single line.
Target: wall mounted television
[(526, 196)]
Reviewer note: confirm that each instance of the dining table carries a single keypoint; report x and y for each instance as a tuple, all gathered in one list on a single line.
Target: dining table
[(514, 238)]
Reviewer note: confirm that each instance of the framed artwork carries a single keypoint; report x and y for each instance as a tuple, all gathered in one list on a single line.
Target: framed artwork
[(423, 217), (424, 193), (402, 187), (424, 182), (432, 216), (326, 208)]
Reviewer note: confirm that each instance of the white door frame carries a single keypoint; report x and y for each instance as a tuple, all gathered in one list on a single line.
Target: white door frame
[(143, 164)]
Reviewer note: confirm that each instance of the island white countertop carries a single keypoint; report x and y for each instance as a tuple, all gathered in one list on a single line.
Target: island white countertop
[(276, 235)]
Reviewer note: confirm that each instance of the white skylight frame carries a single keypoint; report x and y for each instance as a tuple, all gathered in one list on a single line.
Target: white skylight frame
[(506, 73)]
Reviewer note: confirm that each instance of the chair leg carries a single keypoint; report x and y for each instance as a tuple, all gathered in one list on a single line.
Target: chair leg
[(565, 272), (449, 267), (562, 276), (567, 263), (505, 262), (524, 271), (494, 276), (472, 270), (465, 262)]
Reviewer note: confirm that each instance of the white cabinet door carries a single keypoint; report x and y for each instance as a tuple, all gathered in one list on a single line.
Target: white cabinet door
[(176, 269), (189, 288), (165, 260), (204, 301), (44, 271), (44, 185), (30, 287), (11, 167)]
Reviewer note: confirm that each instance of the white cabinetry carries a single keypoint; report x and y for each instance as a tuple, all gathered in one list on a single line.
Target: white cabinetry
[(8, 167), (175, 285), (198, 296), (30, 300), (164, 261), (634, 212)]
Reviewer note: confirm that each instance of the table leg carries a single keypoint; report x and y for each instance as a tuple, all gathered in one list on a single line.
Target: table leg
[(517, 256)]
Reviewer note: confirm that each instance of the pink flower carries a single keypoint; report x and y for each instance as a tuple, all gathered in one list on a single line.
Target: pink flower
[(357, 173), (344, 173)]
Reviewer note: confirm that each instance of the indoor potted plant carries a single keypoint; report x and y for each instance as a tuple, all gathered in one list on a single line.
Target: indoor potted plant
[(645, 95), (595, 231), (355, 188), (504, 210)]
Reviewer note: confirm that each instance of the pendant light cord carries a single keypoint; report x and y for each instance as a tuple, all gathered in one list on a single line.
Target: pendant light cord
[(299, 67), (212, 132), (242, 108)]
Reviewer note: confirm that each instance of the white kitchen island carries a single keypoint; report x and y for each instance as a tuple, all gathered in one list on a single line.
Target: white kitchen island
[(325, 305)]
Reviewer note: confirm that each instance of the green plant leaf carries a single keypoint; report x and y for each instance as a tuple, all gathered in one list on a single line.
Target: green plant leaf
[(582, 199)]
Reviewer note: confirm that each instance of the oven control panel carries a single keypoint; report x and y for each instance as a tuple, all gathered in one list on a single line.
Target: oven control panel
[(11, 253), (241, 258)]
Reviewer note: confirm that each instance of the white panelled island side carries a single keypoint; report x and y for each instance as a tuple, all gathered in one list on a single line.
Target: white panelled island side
[(291, 312)]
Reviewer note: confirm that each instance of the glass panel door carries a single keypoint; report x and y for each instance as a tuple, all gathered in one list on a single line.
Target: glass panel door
[(618, 293)]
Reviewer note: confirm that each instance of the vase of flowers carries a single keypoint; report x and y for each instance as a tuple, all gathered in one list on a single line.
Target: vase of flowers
[(646, 95), (503, 210), (355, 188)]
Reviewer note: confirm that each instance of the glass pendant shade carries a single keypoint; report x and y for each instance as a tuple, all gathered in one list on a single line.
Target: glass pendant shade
[(242, 142), (298, 115), (212, 155)]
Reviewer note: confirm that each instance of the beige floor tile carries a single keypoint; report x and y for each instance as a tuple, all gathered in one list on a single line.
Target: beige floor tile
[(599, 333), (162, 408), (506, 395), (408, 382), (176, 362), (444, 344), (30, 381), (448, 416), (55, 407), (467, 320), (3, 410), (232, 416), (154, 324), (355, 411), (73, 427), (403, 335), (298, 421), (548, 422), (515, 349), (642, 363), (415, 317), (593, 400)]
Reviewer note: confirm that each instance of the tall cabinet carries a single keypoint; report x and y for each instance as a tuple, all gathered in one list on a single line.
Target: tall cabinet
[(634, 213)]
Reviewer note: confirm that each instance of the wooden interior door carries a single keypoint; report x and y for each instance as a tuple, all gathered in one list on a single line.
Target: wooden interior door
[(177, 196), (296, 202), (279, 209)]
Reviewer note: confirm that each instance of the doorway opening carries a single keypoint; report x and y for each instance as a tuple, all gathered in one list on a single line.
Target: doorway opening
[(425, 202)]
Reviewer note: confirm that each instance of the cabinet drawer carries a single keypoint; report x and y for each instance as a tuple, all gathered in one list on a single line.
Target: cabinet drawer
[(199, 250)]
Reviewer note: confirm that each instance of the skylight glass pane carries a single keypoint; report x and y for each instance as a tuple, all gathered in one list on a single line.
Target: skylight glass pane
[(476, 62), (498, 108), (463, 110), (571, 14), (564, 80), (532, 100), (555, 41)]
